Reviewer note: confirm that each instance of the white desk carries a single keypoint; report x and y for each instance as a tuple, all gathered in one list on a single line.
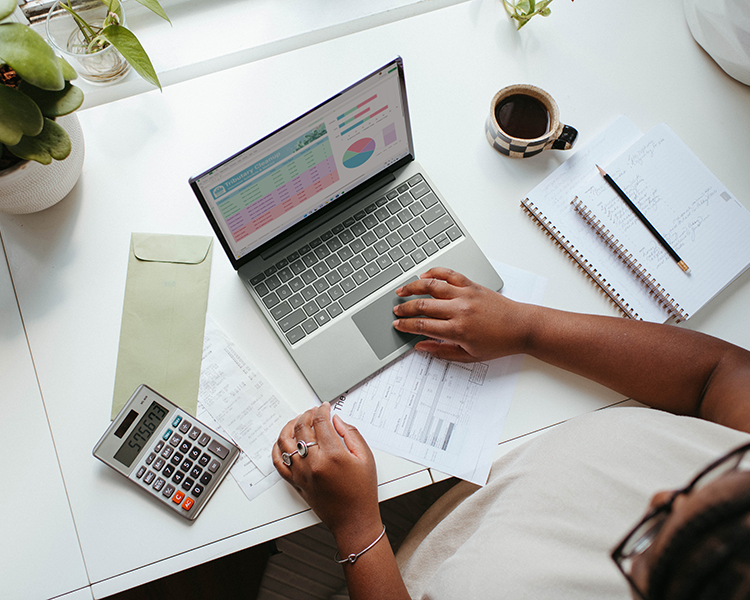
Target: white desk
[(69, 262), (43, 559)]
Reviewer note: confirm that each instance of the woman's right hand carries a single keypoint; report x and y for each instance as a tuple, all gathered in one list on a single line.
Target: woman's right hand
[(466, 321)]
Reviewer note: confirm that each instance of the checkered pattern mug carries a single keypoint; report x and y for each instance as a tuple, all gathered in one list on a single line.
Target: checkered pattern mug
[(556, 136)]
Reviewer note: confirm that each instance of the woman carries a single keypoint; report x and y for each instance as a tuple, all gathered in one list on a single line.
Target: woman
[(544, 524)]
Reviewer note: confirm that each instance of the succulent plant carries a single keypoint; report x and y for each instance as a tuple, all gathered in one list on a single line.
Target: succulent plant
[(35, 89)]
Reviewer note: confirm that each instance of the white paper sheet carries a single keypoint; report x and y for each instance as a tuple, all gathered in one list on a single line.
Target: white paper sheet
[(444, 415), (237, 401)]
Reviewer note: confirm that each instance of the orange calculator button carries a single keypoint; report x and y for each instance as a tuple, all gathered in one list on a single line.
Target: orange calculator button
[(188, 504), (177, 498)]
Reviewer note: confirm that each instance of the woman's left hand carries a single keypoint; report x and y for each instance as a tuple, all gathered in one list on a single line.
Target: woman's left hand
[(338, 480)]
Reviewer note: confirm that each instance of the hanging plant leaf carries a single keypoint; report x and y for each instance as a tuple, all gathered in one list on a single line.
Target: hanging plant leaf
[(20, 116), (54, 104), (26, 52), (130, 48), (154, 6), (7, 7), (52, 143)]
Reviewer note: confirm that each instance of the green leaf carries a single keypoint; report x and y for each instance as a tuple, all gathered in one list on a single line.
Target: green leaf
[(69, 73), (523, 7), (130, 48), (52, 143), (155, 7), (7, 7), (20, 116), (26, 52), (54, 104)]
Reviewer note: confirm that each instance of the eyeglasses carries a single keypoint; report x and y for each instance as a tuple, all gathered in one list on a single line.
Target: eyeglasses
[(643, 535)]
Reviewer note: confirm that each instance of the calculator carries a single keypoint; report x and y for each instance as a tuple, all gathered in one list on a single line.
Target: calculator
[(166, 452)]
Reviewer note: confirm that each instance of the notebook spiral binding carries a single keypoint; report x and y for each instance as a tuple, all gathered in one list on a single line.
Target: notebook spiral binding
[(593, 273), (656, 290)]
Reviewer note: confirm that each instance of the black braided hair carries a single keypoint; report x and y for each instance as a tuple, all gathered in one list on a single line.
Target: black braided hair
[(708, 558)]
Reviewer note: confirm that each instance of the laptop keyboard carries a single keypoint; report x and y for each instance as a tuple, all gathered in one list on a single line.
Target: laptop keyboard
[(346, 264)]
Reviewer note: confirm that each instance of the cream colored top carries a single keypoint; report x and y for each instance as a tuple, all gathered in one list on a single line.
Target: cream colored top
[(554, 508)]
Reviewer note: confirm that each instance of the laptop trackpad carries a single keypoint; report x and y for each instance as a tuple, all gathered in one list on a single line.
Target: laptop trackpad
[(375, 322)]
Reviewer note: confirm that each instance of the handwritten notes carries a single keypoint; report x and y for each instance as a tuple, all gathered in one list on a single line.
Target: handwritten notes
[(238, 402), (705, 224)]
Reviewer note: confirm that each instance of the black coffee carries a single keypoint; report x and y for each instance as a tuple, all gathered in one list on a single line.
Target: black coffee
[(522, 116)]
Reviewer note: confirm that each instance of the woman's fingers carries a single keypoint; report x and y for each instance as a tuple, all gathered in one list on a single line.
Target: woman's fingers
[(445, 351), (428, 286)]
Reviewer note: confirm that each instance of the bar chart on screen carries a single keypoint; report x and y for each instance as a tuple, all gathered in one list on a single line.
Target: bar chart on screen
[(359, 114)]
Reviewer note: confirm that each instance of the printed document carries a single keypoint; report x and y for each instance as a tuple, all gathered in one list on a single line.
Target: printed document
[(240, 404), (444, 415)]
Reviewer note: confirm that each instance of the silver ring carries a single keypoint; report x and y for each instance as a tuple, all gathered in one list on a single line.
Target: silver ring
[(302, 448), (287, 458)]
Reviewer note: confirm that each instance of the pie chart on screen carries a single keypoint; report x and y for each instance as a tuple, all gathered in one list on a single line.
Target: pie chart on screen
[(358, 153)]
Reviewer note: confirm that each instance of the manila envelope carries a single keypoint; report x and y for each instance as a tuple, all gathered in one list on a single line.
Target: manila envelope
[(163, 318)]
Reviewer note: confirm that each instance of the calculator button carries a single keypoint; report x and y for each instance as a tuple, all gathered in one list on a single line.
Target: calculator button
[(185, 427), (178, 476), (176, 421), (187, 484), (194, 453), (168, 491), (166, 435), (197, 490), (158, 447), (185, 447), (188, 504), (196, 472), (214, 466), (150, 476), (205, 438), (167, 452), (158, 464), (158, 484), (194, 433), (177, 458), (219, 450), (186, 465), (168, 470), (178, 497), (204, 460), (140, 472), (150, 458), (176, 439), (205, 478)]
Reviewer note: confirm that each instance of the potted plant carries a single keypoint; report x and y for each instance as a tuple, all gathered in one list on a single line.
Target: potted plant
[(40, 137), (35, 92), (92, 35)]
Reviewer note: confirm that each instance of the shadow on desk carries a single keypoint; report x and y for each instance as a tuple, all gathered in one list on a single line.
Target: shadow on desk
[(232, 577), (298, 566)]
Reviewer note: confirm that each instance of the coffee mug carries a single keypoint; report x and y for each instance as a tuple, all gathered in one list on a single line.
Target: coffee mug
[(524, 121)]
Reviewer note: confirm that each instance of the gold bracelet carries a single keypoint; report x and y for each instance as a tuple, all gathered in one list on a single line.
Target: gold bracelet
[(352, 558)]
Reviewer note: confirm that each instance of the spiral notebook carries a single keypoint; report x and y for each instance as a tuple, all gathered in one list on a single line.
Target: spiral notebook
[(699, 217)]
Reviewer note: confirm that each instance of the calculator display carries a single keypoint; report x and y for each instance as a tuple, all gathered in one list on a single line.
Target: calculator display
[(140, 435)]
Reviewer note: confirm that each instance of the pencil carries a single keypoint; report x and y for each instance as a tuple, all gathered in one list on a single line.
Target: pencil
[(644, 220)]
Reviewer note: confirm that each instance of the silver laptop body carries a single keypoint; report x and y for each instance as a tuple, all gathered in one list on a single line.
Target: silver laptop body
[(325, 217)]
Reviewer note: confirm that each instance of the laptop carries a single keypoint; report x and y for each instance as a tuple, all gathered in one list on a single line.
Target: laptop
[(326, 217)]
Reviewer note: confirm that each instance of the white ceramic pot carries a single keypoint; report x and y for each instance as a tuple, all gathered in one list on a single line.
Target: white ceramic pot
[(30, 187)]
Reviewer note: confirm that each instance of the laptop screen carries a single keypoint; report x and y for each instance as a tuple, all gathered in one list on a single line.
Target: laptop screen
[(311, 163)]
